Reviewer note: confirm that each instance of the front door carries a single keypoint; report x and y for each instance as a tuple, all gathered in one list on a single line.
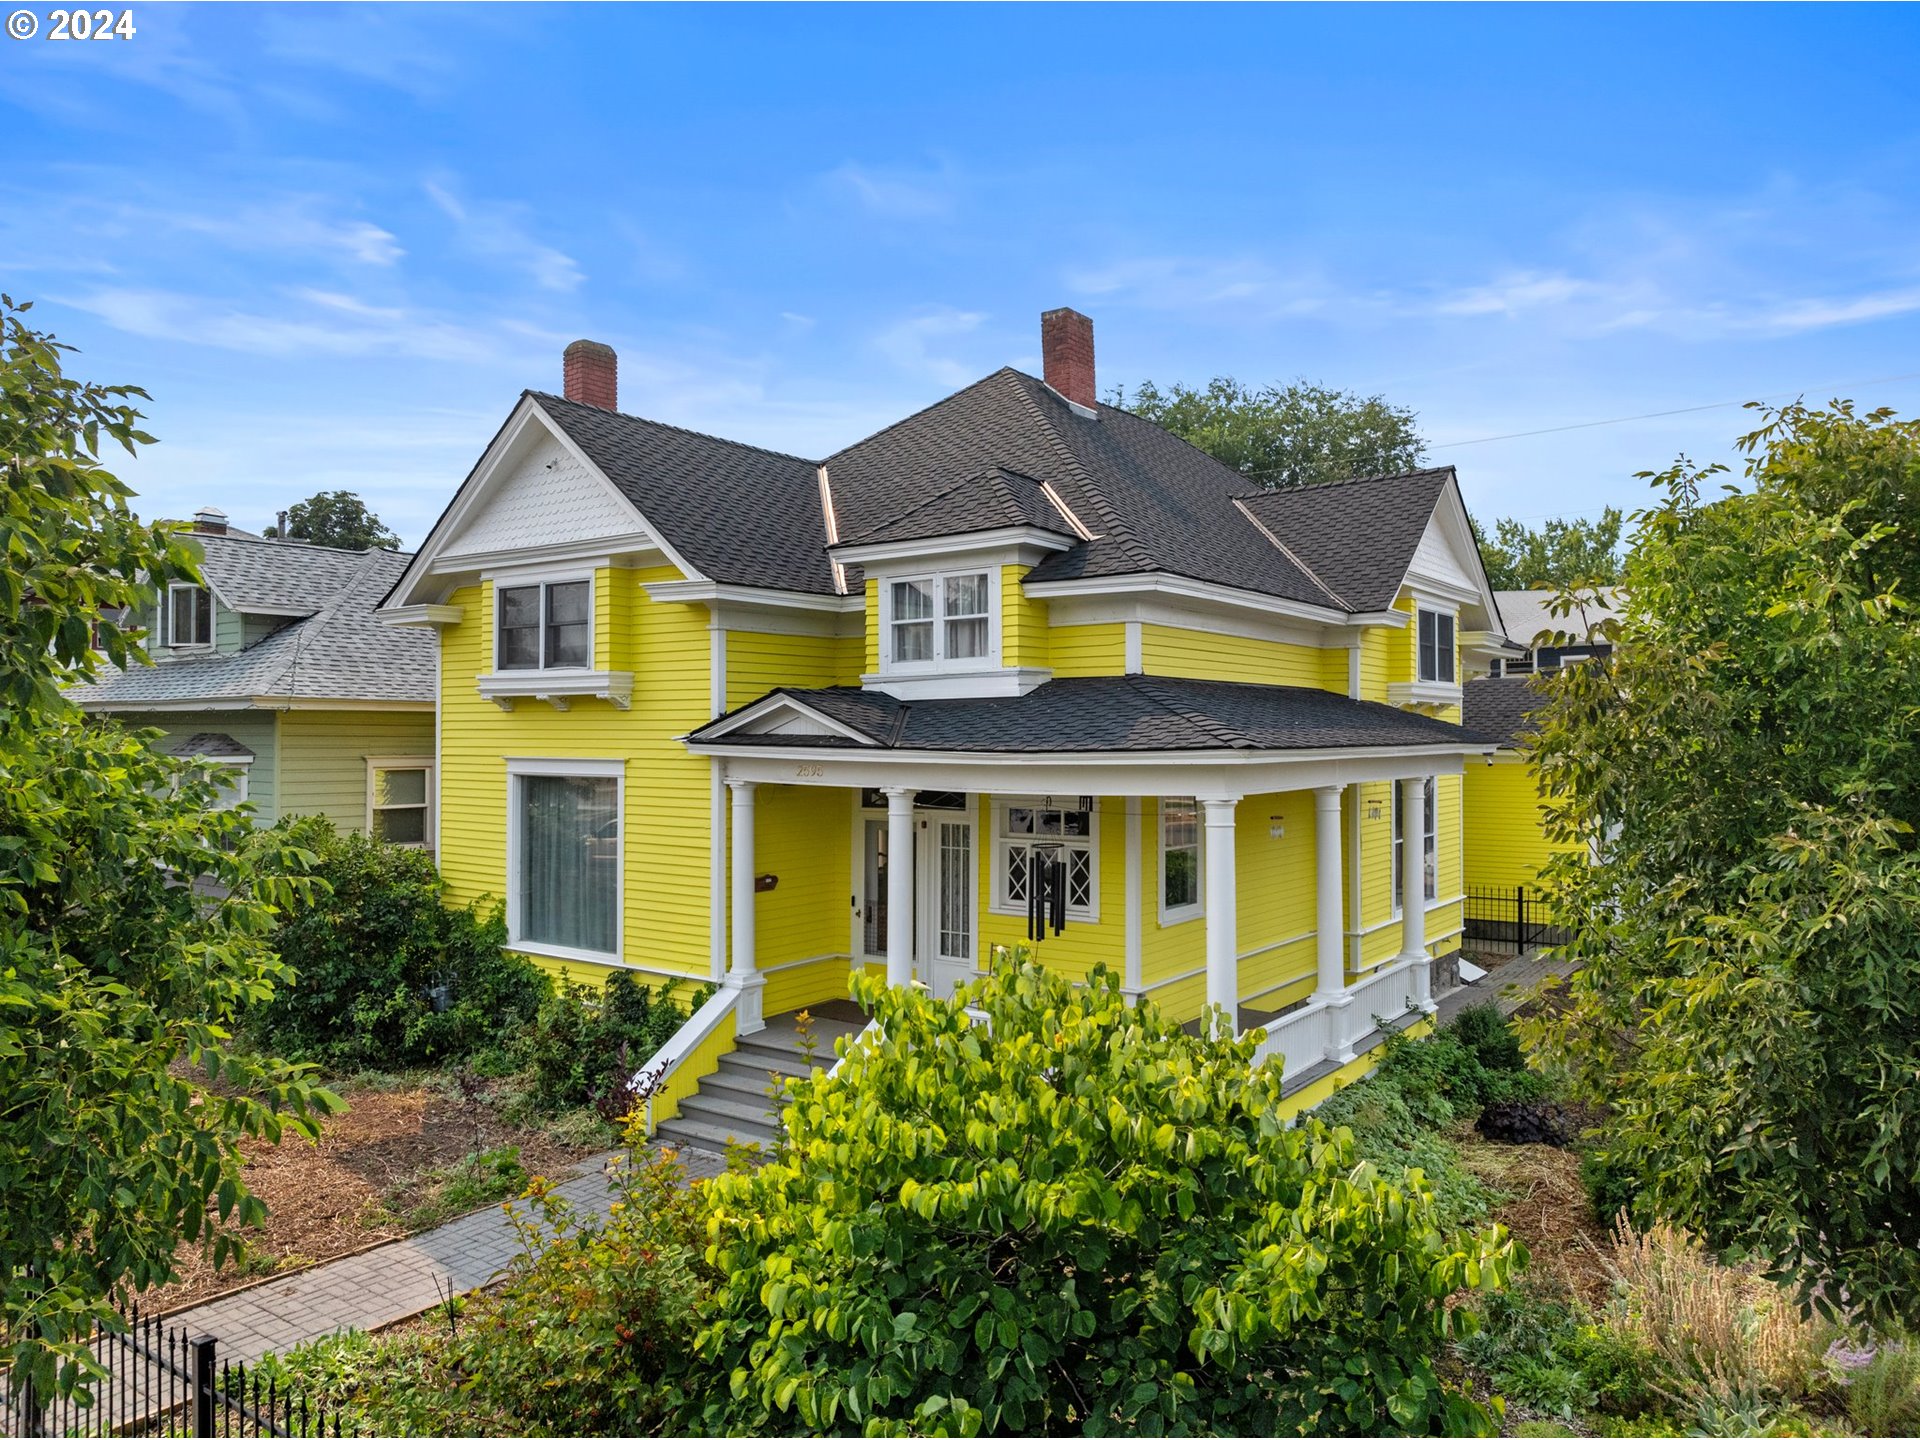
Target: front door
[(946, 876)]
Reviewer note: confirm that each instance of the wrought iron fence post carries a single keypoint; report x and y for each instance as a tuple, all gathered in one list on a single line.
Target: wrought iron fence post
[(1519, 919), (202, 1348)]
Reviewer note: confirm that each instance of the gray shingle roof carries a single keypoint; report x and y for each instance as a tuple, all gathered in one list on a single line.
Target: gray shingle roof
[(1111, 713), (250, 573), (1500, 707), (1358, 536), (991, 500), (208, 745), (340, 652)]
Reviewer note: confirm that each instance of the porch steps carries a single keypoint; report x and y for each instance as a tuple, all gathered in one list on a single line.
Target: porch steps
[(738, 1103)]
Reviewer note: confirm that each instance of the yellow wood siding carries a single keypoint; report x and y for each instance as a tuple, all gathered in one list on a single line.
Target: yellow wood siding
[(803, 836), (323, 758), (1277, 878), (665, 917), (873, 627), (1023, 622), (1505, 843), (1376, 646), (699, 1063), (1400, 644), (1209, 655), (1089, 649), (757, 663)]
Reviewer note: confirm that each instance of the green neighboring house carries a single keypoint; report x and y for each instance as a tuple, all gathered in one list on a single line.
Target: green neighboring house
[(276, 671)]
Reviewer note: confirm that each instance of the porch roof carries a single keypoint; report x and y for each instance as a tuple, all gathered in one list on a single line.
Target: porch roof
[(1107, 714)]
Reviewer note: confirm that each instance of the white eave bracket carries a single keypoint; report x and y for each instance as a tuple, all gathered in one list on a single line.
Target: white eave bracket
[(558, 688), (423, 616)]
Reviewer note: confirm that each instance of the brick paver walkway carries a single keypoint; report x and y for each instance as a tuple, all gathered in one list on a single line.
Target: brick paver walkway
[(390, 1283)]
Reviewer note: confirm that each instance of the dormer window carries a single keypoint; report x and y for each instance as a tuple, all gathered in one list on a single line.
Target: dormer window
[(1436, 646), (189, 617), (546, 626), (938, 620)]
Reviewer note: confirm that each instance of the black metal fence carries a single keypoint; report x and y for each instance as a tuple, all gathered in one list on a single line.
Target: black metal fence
[(162, 1381), (1506, 921)]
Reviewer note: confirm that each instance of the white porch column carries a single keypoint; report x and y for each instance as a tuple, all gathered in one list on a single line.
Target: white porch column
[(899, 886), (744, 973), (1223, 942), (1413, 887), (1331, 935)]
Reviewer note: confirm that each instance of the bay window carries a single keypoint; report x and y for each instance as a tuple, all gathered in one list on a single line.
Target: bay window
[(545, 626), (933, 620), (564, 843)]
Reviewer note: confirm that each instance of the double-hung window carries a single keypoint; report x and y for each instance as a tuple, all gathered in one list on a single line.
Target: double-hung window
[(400, 801), (565, 856), (1436, 646), (1179, 858), (1063, 834), (189, 616), (1429, 842), (934, 620), (546, 626)]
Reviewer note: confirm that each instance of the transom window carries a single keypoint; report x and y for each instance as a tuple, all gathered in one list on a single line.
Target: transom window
[(189, 616), (566, 861), (1436, 646), (1430, 845), (400, 801), (937, 619), (548, 626), (1053, 833), (1179, 858)]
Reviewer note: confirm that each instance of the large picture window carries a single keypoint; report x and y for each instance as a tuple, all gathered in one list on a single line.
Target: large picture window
[(548, 626), (1436, 646), (937, 619), (189, 616), (1430, 845), (1065, 834), (567, 862), (1179, 858)]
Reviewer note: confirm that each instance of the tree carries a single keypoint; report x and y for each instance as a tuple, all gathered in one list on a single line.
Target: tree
[(1299, 434), (1749, 1006), (122, 1104), (338, 518), (1560, 553), (1071, 1217)]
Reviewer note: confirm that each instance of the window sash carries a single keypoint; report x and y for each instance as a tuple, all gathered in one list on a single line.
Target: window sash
[(394, 816), (197, 628), (1436, 646), (1024, 828), (1429, 845), (544, 626), (934, 619)]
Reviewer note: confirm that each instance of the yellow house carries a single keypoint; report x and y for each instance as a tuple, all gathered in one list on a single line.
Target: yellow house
[(1020, 668)]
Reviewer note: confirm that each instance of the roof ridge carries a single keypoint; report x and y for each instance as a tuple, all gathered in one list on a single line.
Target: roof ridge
[(1149, 686), (1420, 474), (677, 429), (291, 547), (1114, 528), (908, 419)]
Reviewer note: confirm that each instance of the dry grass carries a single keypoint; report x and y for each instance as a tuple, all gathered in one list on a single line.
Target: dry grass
[(1722, 1335)]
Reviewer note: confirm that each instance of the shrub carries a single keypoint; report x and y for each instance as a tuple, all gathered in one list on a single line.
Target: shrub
[(583, 1043), (1484, 1030), (1073, 1215), (1527, 1122), (388, 975), (1883, 1395), (1387, 1133), (1539, 1346), (1612, 1186)]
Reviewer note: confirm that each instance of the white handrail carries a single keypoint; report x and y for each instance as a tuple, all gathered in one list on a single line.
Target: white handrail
[(687, 1039)]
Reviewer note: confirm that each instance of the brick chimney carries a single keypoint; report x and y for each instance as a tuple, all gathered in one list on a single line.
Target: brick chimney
[(210, 520), (592, 374), (1066, 342)]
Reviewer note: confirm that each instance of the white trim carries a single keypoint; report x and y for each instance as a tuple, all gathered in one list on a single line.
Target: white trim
[(167, 642), (937, 621), (598, 550), (1066, 511), (518, 768), (685, 1041), (1423, 607), (439, 735), (949, 549), (1135, 896), (744, 721), (1197, 909), (431, 826), (717, 869), (542, 581), (998, 805), (959, 684), (1134, 661), (252, 702), (1355, 674), (1161, 583), (557, 687), (1424, 692), (716, 669), (832, 525), (427, 616)]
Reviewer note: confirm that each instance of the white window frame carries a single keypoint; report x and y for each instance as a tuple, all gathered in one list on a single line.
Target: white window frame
[(940, 661), (998, 838), (544, 582), (1420, 616), (1179, 914), (171, 642), (517, 770), (1430, 837), (378, 763)]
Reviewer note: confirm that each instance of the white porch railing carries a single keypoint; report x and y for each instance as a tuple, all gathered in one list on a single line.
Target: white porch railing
[(1329, 1030)]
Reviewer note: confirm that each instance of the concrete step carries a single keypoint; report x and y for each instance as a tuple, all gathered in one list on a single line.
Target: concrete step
[(747, 1085), (759, 1059), (699, 1135), (744, 1117)]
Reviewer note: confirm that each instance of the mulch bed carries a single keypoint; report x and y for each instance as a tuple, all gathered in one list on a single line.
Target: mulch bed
[(325, 1199), (1549, 1212)]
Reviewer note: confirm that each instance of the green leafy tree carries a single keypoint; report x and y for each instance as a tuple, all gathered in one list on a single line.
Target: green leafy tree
[(1281, 436), (1560, 553), (122, 1103), (1750, 1002), (339, 518), (1071, 1217)]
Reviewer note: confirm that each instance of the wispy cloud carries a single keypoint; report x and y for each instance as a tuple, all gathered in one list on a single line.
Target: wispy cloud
[(315, 323), (1800, 315), (910, 343), (499, 231), (894, 193), (1169, 282)]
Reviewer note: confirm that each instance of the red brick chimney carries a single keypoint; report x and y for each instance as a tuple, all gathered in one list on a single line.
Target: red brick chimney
[(592, 374), (1066, 341)]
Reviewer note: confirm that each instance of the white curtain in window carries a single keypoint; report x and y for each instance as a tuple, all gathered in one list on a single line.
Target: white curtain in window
[(570, 861)]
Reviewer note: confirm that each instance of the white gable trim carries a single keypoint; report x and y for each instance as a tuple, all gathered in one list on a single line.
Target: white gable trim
[(417, 585), (784, 715), (1449, 519)]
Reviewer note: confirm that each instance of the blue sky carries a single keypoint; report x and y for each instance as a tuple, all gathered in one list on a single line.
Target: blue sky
[(335, 243)]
